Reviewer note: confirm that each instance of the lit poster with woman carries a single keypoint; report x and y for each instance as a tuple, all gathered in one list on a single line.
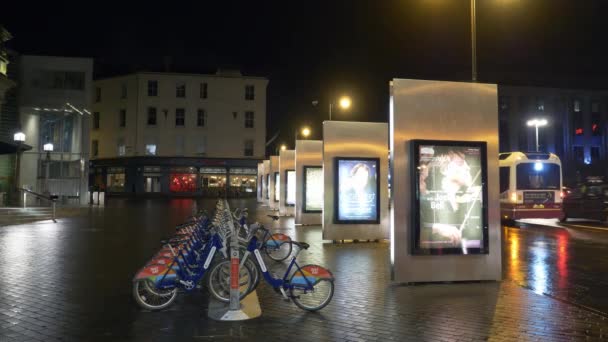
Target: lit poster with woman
[(277, 186), (357, 199), (290, 191), (451, 197)]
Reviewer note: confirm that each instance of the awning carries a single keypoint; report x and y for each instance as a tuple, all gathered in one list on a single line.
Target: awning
[(7, 147)]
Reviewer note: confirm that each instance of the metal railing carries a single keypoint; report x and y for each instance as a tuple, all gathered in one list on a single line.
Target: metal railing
[(52, 199)]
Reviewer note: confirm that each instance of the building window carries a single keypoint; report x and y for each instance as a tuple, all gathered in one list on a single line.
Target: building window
[(97, 94), (180, 145), (180, 116), (203, 90), (183, 179), (180, 90), (201, 118), (578, 125), (152, 116), (579, 154), (540, 104), (123, 91), (248, 148), (576, 105), (596, 128), (504, 102), (249, 92), (122, 148), (152, 88), (201, 148), (96, 120), (248, 119), (122, 118), (595, 107), (94, 148), (595, 154), (150, 149)]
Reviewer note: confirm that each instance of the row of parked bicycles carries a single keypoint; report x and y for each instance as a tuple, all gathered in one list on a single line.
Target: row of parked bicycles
[(198, 255)]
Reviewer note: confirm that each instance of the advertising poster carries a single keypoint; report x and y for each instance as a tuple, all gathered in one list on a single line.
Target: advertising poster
[(277, 187), (451, 217), (290, 195), (313, 189), (357, 199)]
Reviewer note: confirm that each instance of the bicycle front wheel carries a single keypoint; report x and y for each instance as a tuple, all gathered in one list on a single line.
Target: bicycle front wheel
[(218, 281), (151, 298), (278, 247)]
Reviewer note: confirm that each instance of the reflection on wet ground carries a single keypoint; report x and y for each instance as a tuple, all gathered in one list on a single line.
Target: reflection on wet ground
[(73, 280), (566, 263)]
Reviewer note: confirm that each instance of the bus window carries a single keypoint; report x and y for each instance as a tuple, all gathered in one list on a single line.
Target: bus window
[(531, 176), (504, 178)]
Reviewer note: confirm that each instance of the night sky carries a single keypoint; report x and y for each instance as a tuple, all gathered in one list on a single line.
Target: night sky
[(321, 49)]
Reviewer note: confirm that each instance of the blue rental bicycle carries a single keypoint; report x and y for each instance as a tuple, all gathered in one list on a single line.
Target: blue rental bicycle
[(310, 287)]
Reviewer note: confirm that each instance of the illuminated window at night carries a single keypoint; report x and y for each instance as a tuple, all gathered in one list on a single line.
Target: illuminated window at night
[(116, 179), (578, 124), (576, 105), (596, 129), (183, 179), (151, 149), (122, 148), (540, 104)]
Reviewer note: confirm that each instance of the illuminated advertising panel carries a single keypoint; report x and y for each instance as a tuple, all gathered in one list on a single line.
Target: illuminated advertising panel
[(450, 213), (290, 191), (277, 186), (313, 189), (357, 197)]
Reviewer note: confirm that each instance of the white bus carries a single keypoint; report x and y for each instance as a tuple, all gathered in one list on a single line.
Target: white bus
[(530, 185)]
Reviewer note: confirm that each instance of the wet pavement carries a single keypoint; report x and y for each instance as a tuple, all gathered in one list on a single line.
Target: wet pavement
[(71, 281), (566, 261)]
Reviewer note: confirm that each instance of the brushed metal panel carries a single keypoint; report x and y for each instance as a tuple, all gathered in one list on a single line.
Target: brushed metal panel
[(274, 167), (444, 111), (260, 183), (287, 161), (308, 153), (354, 139), (266, 187)]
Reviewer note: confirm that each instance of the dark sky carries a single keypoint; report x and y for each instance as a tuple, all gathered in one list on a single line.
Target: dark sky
[(322, 49)]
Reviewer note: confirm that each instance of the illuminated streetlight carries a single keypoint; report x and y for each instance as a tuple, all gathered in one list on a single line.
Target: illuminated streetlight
[(19, 137), (305, 132), (48, 147), (345, 102), (537, 123), (283, 147)]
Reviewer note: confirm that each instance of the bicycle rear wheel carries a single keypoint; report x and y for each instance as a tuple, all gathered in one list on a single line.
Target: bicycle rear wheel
[(278, 247), (149, 297), (218, 281), (312, 287)]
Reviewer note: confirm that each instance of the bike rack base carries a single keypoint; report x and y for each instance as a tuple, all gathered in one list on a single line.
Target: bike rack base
[(250, 308)]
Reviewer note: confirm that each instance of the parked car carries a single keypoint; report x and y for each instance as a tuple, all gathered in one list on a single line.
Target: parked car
[(587, 201)]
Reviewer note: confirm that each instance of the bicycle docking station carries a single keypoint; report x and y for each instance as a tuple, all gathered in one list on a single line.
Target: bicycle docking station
[(237, 309)]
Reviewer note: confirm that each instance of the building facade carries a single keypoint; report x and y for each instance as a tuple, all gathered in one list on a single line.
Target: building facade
[(178, 134), (576, 127), (54, 95)]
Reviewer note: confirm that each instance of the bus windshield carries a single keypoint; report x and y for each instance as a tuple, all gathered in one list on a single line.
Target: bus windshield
[(538, 176)]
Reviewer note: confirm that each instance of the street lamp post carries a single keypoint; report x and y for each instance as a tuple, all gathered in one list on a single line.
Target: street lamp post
[(473, 41), (344, 102), (19, 138), (48, 148), (537, 123), (305, 132)]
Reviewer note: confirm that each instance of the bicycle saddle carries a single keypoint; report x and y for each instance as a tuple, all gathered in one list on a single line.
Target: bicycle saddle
[(302, 245), (274, 217)]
